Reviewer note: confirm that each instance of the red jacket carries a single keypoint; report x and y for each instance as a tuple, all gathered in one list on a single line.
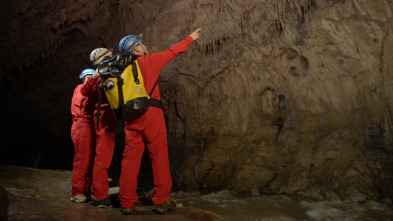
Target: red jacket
[(80, 105), (90, 90), (152, 64)]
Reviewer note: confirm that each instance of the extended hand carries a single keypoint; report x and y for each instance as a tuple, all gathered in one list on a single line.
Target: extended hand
[(195, 34), (96, 74)]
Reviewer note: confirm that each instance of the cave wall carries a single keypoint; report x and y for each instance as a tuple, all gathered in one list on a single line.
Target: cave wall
[(275, 97), (296, 98), (45, 46)]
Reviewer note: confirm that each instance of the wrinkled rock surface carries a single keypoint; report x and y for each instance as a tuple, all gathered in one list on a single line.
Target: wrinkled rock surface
[(275, 97)]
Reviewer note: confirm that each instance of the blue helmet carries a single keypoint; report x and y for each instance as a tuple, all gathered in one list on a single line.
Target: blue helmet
[(86, 72), (128, 43)]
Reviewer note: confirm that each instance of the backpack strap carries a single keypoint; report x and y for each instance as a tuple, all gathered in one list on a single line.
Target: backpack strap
[(154, 87), (155, 103), (135, 72), (121, 96), (152, 101), (99, 104)]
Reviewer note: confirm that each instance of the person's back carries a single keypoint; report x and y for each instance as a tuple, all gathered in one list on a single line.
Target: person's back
[(83, 137), (149, 129), (80, 106)]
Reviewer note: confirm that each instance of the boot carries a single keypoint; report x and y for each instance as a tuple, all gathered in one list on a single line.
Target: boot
[(125, 211), (104, 203), (168, 205), (80, 198)]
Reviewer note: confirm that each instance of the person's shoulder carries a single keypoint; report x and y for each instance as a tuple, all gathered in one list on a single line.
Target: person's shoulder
[(77, 90), (146, 58), (78, 87)]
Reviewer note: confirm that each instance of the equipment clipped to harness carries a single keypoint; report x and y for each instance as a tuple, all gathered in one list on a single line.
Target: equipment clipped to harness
[(122, 82)]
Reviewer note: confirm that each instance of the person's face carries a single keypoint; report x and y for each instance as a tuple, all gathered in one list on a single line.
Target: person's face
[(140, 49)]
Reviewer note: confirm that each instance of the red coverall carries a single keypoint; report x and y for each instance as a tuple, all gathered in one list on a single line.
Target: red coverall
[(149, 129), (83, 136), (105, 139)]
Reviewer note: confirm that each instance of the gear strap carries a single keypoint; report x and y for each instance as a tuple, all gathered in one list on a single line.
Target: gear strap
[(121, 96), (152, 101), (99, 104), (154, 87), (155, 103)]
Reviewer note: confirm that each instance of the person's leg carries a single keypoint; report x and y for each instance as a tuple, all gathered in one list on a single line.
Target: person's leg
[(156, 141), (105, 144), (89, 175), (131, 162), (82, 137)]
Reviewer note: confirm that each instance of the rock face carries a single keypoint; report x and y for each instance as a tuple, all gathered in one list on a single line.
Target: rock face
[(276, 96)]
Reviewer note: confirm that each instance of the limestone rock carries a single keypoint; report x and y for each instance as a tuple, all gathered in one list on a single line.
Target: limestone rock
[(276, 96)]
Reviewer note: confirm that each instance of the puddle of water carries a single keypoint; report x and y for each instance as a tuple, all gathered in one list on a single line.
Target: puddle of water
[(235, 206)]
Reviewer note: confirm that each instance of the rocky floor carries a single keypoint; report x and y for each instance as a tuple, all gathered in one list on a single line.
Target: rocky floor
[(36, 194)]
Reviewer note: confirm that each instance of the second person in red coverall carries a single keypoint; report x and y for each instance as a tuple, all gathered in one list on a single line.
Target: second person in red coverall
[(83, 137), (105, 140), (149, 129)]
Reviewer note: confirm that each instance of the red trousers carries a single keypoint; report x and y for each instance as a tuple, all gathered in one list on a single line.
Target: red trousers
[(105, 144), (149, 129), (83, 136)]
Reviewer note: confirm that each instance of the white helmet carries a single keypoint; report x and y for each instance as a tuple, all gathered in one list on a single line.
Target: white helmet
[(99, 54)]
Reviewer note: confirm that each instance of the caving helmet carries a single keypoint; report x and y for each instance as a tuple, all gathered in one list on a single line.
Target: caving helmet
[(128, 43), (99, 54), (86, 72)]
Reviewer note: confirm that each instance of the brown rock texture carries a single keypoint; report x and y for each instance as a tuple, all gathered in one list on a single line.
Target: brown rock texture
[(276, 96)]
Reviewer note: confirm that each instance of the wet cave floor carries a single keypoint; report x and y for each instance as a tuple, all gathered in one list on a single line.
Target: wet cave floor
[(41, 195), (36, 194)]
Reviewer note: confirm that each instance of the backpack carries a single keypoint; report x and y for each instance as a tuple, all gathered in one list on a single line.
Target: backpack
[(122, 83)]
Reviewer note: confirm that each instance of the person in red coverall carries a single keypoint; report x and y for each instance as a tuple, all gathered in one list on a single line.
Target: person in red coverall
[(149, 129), (105, 139), (83, 136)]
